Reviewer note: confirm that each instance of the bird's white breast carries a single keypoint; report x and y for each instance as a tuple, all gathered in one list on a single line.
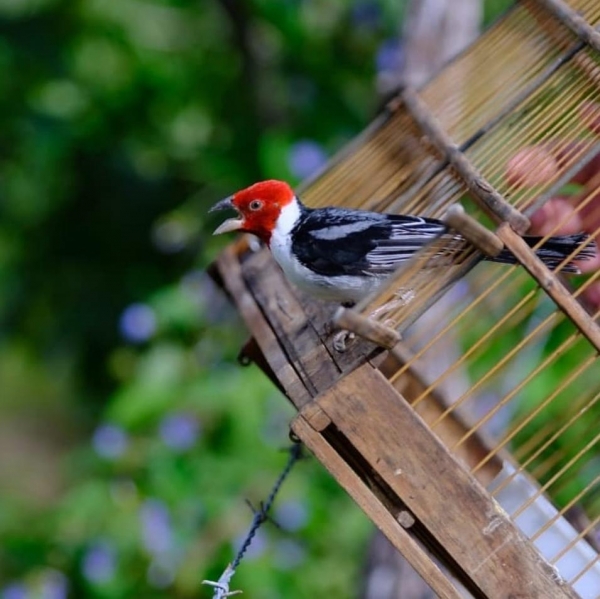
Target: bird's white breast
[(281, 247), (339, 289)]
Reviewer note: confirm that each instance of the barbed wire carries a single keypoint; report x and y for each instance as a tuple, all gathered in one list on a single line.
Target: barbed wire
[(261, 516)]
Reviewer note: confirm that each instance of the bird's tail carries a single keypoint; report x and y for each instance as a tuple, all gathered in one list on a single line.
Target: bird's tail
[(554, 251)]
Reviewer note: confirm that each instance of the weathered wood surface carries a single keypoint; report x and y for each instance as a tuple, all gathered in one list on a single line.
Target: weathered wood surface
[(379, 513), (284, 326), (455, 510), (229, 269), (453, 427), (350, 319), (379, 448), (294, 335)]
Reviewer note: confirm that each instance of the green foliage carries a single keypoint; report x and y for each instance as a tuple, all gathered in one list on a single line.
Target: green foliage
[(130, 437)]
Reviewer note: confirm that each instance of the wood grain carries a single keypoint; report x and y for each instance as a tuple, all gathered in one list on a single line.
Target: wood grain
[(376, 510), (230, 271), (293, 333), (455, 424), (452, 506)]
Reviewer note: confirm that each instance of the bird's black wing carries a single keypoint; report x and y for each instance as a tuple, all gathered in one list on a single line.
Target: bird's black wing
[(335, 242)]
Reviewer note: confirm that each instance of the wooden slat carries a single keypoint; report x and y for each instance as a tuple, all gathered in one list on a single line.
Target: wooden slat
[(489, 199), (376, 510), (230, 272), (453, 427), (293, 333), (453, 507), (574, 21), (473, 231), (367, 328)]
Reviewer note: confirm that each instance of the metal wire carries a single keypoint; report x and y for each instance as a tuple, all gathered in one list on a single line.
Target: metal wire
[(261, 515)]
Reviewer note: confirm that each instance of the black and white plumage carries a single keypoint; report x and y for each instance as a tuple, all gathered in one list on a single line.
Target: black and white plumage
[(344, 255)]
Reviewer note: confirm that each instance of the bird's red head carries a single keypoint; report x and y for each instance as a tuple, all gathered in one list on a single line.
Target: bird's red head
[(258, 206)]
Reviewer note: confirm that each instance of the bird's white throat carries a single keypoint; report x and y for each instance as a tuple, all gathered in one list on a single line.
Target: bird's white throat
[(287, 220), (281, 241)]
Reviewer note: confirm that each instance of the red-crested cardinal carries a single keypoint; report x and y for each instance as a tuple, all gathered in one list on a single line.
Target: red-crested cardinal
[(342, 255)]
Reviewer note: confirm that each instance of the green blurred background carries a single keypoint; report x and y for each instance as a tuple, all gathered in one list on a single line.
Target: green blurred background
[(129, 436)]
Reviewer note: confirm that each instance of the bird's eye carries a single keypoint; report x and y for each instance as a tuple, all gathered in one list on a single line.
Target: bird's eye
[(255, 205)]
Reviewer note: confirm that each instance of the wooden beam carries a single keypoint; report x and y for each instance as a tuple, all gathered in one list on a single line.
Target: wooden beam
[(367, 328), (293, 333), (473, 231), (453, 427), (459, 513), (376, 510), (574, 21), (230, 272)]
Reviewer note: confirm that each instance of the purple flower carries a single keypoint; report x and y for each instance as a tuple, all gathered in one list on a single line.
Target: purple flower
[(137, 323), (156, 527), (291, 515), (389, 56), (306, 157), (15, 590), (54, 585), (99, 562), (109, 441), (288, 554), (366, 14), (179, 431), (161, 573)]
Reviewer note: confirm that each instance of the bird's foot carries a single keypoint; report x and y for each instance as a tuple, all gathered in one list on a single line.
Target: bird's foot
[(341, 339)]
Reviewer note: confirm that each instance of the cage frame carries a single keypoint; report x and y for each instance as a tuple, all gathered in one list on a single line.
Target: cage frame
[(365, 432)]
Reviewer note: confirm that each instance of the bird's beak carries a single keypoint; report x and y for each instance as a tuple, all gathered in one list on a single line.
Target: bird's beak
[(231, 224)]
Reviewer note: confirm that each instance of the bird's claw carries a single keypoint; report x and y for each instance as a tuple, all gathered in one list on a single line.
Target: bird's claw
[(341, 339)]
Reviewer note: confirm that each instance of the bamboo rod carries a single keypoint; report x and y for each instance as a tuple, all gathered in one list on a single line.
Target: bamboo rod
[(556, 476), (490, 199), (574, 21), (472, 231), (573, 501), (557, 433), (555, 393), (590, 565), (582, 534), (551, 284)]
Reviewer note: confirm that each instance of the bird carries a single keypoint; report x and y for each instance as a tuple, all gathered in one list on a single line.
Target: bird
[(344, 255)]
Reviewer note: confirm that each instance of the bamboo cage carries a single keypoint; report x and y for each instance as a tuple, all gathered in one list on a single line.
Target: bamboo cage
[(464, 418)]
